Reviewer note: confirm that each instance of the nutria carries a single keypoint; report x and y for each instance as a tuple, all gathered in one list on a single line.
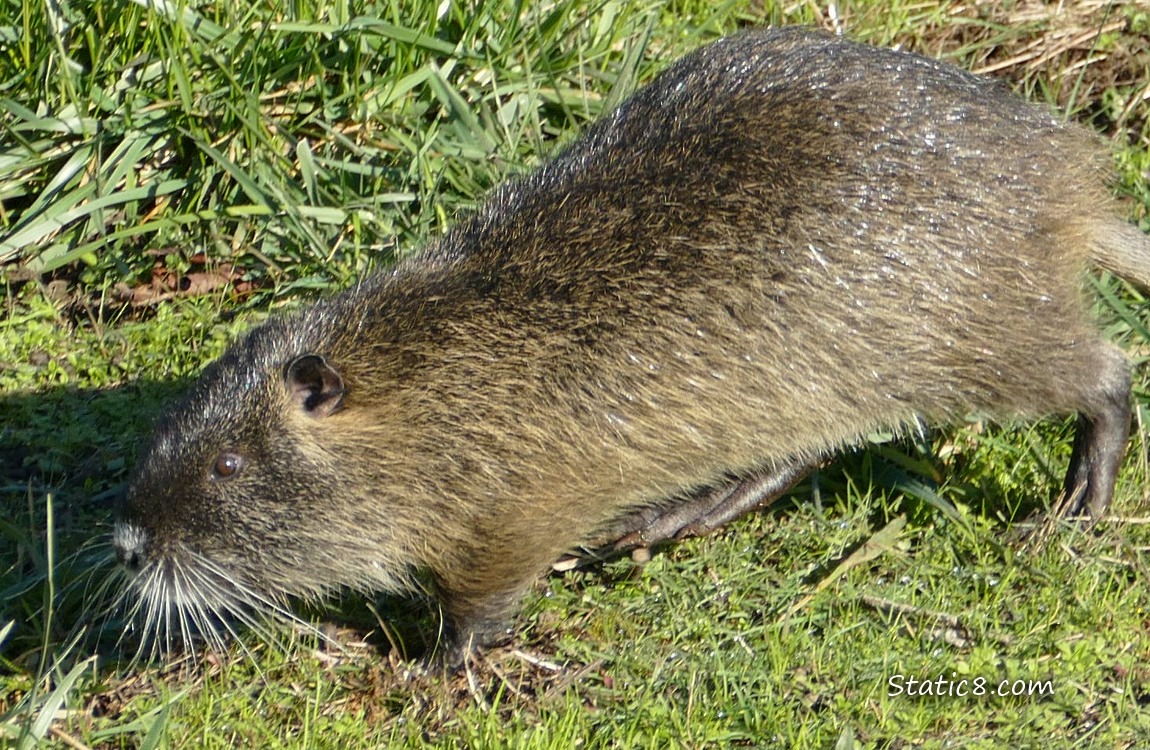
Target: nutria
[(784, 242)]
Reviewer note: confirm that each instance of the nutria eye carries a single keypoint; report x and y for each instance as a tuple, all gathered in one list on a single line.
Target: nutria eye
[(227, 466)]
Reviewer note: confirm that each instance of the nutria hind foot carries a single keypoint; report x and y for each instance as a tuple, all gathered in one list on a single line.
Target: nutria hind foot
[(698, 514), (715, 507)]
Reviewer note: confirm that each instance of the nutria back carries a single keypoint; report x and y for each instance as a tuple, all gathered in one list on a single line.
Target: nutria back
[(784, 242)]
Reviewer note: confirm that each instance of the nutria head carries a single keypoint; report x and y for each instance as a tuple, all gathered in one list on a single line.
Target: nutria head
[(239, 502)]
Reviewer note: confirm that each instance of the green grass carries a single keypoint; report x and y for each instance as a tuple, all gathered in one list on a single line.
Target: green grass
[(262, 152)]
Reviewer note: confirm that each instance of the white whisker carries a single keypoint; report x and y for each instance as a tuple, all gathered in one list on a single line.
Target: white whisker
[(186, 598)]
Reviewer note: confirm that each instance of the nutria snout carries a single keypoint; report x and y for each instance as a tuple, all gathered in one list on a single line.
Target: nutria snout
[(784, 242)]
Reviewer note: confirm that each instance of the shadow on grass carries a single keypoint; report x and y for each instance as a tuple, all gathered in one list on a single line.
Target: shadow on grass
[(65, 456)]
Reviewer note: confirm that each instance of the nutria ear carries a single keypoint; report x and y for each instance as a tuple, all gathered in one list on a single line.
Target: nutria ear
[(314, 385)]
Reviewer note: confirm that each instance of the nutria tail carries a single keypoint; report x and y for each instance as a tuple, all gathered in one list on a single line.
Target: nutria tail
[(1124, 250)]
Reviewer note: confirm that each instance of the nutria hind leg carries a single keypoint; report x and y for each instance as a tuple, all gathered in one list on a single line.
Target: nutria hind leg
[(696, 514), (751, 492), (1100, 438)]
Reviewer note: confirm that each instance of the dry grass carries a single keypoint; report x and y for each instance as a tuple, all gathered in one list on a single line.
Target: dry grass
[(1092, 56)]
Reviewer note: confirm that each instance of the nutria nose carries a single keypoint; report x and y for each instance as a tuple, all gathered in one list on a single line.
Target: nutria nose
[(129, 542), (129, 558)]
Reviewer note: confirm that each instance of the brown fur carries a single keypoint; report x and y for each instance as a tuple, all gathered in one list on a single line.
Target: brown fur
[(786, 241)]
